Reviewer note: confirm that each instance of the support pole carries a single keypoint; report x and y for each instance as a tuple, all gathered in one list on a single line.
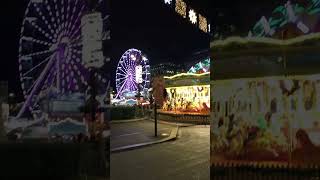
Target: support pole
[(155, 120)]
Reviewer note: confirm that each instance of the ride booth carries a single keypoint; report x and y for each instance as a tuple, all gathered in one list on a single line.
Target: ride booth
[(265, 107), (186, 98)]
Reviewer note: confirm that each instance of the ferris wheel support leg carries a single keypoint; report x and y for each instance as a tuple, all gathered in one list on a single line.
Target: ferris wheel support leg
[(121, 89), (36, 87)]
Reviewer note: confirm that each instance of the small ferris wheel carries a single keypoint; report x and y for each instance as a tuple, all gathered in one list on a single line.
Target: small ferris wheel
[(133, 74)]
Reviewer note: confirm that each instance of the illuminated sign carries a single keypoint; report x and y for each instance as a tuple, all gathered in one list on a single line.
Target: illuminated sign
[(139, 79)]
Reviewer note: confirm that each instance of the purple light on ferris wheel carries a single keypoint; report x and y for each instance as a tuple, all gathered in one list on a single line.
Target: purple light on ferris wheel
[(127, 75), (51, 48)]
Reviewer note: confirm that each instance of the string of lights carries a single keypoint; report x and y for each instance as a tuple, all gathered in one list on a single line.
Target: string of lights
[(186, 11)]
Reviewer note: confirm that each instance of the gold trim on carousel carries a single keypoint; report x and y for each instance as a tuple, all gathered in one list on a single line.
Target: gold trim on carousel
[(186, 74), (271, 41)]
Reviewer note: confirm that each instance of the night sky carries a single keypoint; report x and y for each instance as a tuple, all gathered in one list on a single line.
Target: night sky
[(148, 25)]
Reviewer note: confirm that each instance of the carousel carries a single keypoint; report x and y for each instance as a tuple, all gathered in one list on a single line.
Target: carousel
[(187, 95)]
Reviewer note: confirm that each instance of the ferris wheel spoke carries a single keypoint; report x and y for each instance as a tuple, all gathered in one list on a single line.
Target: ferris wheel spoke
[(76, 44), (76, 40), (71, 30), (31, 39), (125, 73), (44, 19), (39, 29), (72, 15), (122, 82), (37, 53), (67, 12), (76, 34), (135, 84), (35, 67), (121, 87), (62, 11), (57, 12), (121, 78), (52, 19), (132, 85), (51, 76), (124, 65)]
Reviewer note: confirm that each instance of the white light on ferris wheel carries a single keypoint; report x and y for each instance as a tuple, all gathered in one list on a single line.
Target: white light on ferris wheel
[(133, 57)]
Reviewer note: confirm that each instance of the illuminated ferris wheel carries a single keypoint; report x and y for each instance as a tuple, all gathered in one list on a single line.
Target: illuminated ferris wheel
[(50, 51), (133, 73)]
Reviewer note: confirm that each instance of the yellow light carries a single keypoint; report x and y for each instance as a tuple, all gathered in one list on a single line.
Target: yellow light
[(181, 8), (203, 24), (185, 87), (271, 41), (186, 74), (164, 134)]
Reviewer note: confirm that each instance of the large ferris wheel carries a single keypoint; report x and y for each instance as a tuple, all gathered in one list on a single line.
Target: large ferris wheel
[(133, 73), (50, 51)]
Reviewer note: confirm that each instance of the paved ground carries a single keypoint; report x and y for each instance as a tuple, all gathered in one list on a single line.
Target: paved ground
[(186, 158), (124, 134)]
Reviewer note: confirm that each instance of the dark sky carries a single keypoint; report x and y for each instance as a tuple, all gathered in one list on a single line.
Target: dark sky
[(12, 12)]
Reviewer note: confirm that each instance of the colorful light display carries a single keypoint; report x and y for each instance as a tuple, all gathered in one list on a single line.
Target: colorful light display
[(133, 73)]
